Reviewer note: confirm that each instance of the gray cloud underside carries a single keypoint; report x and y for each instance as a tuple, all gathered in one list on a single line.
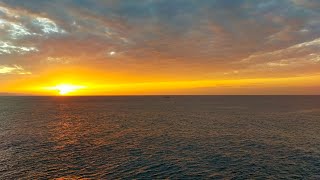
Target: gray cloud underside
[(237, 36)]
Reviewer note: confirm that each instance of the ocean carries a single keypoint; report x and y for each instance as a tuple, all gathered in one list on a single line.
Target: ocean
[(160, 137)]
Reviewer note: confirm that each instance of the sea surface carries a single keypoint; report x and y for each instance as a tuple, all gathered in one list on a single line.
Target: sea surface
[(158, 137)]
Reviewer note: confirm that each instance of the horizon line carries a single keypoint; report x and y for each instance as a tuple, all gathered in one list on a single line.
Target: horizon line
[(155, 95)]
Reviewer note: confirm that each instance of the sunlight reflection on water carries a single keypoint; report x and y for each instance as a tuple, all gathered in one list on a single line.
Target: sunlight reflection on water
[(156, 137)]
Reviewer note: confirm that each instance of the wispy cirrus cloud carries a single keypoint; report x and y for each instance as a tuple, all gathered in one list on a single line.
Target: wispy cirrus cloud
[(59, 60), (17, 27), (307, 52), (13, 69), (207, 38), (9, 48)]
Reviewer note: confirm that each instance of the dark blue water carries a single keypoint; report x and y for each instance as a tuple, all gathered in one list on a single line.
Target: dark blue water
[(178, 137)]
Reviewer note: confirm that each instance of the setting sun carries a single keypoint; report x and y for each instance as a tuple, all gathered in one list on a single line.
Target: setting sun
[(159, 89), (66, 89)]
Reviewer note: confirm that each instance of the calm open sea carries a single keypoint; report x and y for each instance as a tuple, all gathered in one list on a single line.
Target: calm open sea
[(176, 137)]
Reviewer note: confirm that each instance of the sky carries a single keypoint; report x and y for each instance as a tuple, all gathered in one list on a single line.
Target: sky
[(153, 47)]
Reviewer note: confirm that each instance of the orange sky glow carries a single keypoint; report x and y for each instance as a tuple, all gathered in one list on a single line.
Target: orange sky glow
[(159, 48), (90, 82)]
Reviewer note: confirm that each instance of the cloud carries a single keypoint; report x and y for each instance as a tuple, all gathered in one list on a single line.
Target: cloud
[(20, 23), (21, 31), (296, 60), (307, 52), (13, 69), (212, 35), (14, 30), (9, 48), (58, 60), (47, 26), (310, 4)]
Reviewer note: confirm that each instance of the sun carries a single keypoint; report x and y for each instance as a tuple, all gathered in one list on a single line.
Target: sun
[(66, 89)]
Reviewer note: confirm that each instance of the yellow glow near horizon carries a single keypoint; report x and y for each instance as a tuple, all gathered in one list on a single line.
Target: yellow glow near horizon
[(66, 89), (82, 82)]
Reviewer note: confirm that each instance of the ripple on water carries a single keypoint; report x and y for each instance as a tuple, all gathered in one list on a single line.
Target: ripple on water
[(156, 138)]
